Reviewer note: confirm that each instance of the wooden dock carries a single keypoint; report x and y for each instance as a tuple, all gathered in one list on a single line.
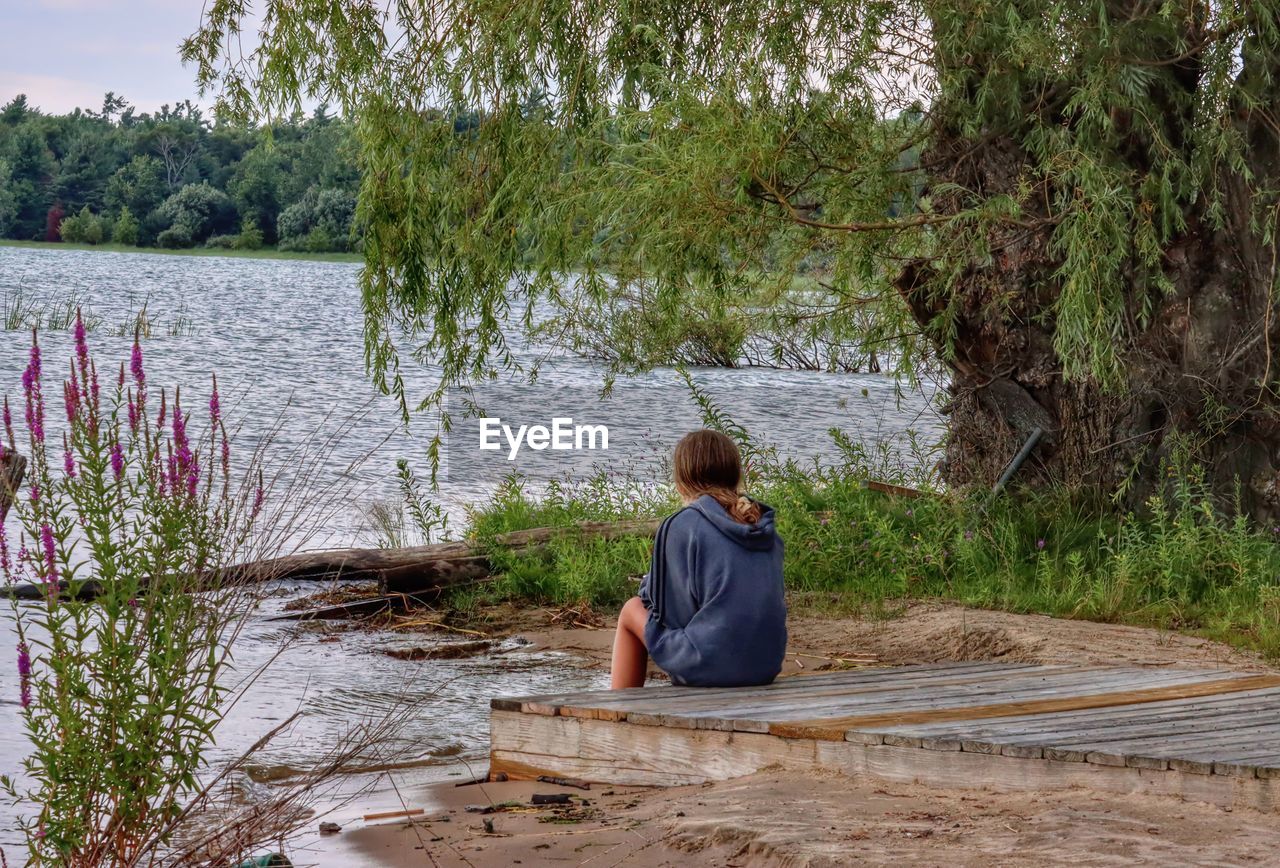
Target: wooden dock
[(1211, 736)]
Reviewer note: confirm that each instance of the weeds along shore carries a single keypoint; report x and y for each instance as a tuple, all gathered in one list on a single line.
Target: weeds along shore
[(1181, 564)]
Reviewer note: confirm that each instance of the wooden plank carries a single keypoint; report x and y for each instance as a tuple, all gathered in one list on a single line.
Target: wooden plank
[(1072, 721), (840, 706), (645, 698), (839, 701), (1204, 746), (720, 702), (672, 757), (1102, 730), (1216, 728), (834, 729), (898, 711), (721, 755), (518, 766)]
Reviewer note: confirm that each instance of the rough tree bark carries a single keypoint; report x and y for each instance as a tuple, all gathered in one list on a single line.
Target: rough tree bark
[(12, 468), (1200, 370)]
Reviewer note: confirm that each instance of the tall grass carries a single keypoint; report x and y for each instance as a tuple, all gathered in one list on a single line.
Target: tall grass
[(1181, 563)]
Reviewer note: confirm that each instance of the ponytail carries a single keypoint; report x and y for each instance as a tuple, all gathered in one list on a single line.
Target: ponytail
[(740, 507)]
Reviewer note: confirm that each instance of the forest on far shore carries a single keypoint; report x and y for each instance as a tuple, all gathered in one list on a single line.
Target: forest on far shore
[(176, 179)]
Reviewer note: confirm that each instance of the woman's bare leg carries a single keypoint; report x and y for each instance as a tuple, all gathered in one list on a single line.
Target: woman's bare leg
[(630, 657)]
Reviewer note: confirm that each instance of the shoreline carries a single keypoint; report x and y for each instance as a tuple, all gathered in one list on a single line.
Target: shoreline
[(264, 253), (828, 819)]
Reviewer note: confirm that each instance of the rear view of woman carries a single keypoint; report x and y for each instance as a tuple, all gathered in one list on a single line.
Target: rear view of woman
[(711, 611)]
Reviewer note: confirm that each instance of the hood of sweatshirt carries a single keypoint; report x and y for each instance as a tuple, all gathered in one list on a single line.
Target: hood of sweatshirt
[(760, 536)]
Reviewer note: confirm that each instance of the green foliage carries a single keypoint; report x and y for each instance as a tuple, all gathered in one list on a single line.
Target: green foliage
[(194, 213), (138, 185), (250, 237), (321, 220), (175, 238), (125, 230), (1179, 565), (671, 152), (569, 570), (83, 228), (120, 158), (8, 200), (120, 697)]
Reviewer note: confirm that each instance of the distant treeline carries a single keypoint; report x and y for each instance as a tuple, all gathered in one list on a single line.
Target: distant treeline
[(176, 179)]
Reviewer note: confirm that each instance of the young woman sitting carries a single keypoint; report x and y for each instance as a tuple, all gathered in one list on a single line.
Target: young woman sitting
[(711, 611)]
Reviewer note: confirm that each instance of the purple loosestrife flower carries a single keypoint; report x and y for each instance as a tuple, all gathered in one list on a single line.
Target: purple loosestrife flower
[(117, 461), (34, 395), (8, 422), (24, 673), (35, 493), (20, 562), (50, 554), (6, 563), (215, 406), (34, 363), (71, 396), (135, 365), (257, 501), (68, 460), (133, 414), (1039, 545), (82, 341)]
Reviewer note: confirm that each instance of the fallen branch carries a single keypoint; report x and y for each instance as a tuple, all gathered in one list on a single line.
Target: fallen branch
[(421, 573)]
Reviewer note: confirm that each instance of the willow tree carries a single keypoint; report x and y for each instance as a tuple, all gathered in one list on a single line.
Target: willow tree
[(1071, 204)]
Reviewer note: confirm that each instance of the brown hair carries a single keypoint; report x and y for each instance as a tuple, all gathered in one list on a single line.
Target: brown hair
[(708, 462)]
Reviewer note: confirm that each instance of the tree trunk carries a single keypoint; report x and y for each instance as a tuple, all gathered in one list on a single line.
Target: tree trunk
[(1197, 369), (12, 468)]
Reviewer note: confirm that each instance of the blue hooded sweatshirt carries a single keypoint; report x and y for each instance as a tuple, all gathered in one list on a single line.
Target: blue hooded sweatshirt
[(717, 615)]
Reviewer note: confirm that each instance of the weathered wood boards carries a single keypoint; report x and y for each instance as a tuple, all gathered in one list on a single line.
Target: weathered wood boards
[(1205, 735)]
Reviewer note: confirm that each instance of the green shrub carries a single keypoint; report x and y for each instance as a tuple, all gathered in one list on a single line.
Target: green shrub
[(321, 221), (197, 211), (250, 237), (82, 228), (125, 230), (175, 238), (222, 242)]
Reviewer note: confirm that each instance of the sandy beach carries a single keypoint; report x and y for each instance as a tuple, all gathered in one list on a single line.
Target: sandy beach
[(785, 818)]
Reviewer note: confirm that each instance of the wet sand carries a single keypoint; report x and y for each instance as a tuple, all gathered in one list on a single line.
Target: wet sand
[(792, 819), (783, 818)]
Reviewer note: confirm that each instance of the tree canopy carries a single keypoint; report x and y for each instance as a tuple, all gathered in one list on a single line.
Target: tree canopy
[(1071, 203), (157, 170)]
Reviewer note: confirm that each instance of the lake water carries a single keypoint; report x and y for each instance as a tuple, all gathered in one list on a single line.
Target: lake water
[(285, 340)]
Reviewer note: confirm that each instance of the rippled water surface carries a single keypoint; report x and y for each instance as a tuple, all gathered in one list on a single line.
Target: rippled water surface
[(284, 338)]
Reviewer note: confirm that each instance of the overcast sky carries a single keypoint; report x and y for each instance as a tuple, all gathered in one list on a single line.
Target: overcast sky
[(65, 54)]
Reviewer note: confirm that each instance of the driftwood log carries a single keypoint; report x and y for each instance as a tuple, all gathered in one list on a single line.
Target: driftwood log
[(421, 569), (404, 575), (12, 468)]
